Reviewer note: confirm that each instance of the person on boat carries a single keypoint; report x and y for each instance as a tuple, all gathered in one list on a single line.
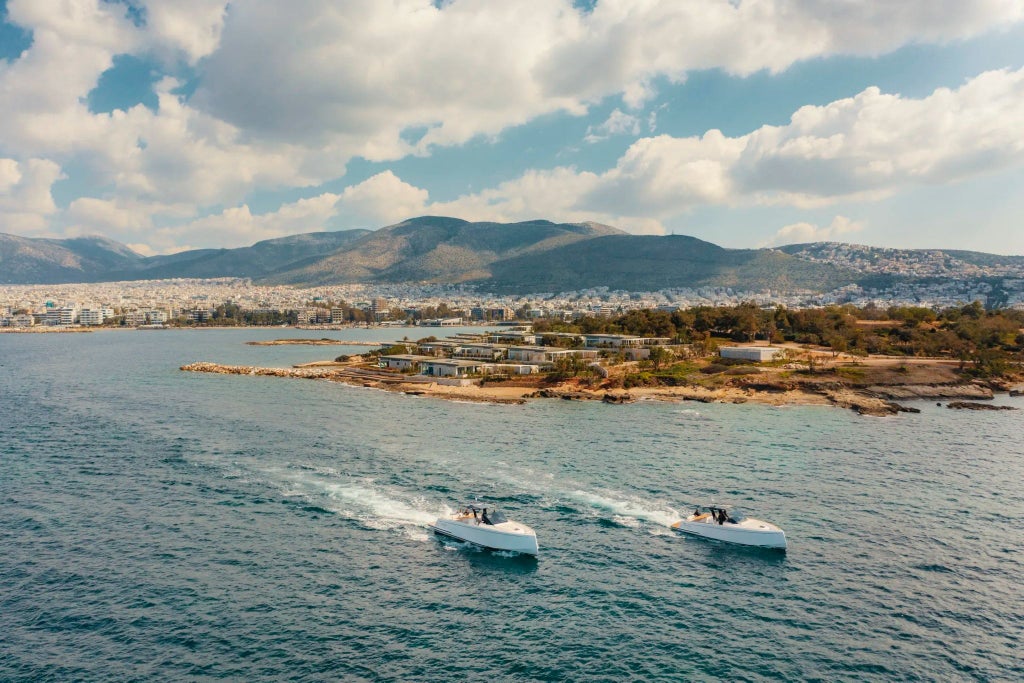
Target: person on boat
[(484, 518), (474, 513)]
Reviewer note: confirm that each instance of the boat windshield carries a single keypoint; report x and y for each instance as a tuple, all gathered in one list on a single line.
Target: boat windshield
[(736, 515), (497, 517)]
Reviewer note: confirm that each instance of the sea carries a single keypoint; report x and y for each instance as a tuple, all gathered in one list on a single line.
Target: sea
[(159, 525)]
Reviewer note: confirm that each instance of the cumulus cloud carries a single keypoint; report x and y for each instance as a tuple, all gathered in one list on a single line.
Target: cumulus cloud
[(26, 199), (309, 73), (796, 233), (381, 200), (866, 147), (238, 226), (288, 93), (190, 28), (618, 123)]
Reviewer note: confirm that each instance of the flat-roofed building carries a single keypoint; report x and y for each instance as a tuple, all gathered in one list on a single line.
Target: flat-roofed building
[(403, 361), (616, 341), (450, 367), (758, 354), (547, 354), (488, 352), (90, 317)]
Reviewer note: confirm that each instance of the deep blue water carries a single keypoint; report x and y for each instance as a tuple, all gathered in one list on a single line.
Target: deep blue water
[(161, 525)]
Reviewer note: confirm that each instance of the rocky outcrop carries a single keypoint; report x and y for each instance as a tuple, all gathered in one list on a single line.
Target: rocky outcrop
[(931, 391), (967, 405), (306, 373), (866, 405)]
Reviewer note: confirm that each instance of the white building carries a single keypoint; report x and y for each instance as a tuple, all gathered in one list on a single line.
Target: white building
[(90, 316), (758, 354), (403, 361), (450, 368)]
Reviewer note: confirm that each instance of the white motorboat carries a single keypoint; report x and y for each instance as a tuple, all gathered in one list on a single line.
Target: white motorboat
[(726, 523), (484, 525)]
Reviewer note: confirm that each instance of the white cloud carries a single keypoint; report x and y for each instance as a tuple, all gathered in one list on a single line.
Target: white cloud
[(797, 233), (863, 147), (290, 92), (311, 73), (238, 226), (382, 200), (189, 27), (26, 200), (89, 215), (618, 123)]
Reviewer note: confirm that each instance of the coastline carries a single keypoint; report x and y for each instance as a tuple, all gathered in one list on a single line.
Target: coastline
[(872, 401)]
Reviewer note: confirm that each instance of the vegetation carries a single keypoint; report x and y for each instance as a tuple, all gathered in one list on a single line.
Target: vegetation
[(987, 343)]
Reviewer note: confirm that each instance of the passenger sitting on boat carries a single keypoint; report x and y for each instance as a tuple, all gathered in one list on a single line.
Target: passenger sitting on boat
[(483, 517)]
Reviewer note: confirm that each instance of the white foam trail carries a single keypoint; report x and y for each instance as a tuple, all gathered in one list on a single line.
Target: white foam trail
[(385, 512), (359, 500), (627, 508)]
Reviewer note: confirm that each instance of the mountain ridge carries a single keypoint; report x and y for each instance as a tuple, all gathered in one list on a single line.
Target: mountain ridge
[(524, 257)]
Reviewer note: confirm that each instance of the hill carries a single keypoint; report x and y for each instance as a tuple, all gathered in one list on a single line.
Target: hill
[(527, 257), (921, 263), (258, 261), (640, 262), (438, 249), (25, 260)]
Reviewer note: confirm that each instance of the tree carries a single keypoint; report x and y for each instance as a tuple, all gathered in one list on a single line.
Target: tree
[(659, 355)]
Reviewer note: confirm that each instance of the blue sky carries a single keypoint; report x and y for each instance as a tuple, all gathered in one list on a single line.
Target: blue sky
[(748, 123)]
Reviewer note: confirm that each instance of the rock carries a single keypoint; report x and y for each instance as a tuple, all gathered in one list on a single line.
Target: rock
[(1016, 392), (618, 398), (898, 391), (967, 405)]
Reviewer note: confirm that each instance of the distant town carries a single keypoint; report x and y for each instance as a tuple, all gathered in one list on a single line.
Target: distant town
[(234, 301)]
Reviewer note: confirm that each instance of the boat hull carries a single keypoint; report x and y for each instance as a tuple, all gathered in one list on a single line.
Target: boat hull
[(516, 538), (760, 535)]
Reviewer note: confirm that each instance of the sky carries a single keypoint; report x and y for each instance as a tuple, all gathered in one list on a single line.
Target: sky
[(177, 124)]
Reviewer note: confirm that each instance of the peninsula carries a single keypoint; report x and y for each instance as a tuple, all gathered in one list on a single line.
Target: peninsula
[(708, 355)]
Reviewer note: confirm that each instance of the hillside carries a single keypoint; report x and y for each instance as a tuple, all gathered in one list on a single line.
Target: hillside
[(439, 249), (260, 260), (908, 262), (528, 257), (25, 260), (640, 262)]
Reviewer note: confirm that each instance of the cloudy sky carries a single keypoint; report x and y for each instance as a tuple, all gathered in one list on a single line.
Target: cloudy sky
[(170, 124)]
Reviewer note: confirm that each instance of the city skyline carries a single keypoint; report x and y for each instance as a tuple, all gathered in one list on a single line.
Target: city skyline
[(187, 125)]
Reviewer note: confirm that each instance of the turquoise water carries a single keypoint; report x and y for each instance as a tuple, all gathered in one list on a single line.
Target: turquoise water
[(164, 525)]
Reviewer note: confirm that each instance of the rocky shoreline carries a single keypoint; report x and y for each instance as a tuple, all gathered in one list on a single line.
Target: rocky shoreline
[(309, 342), (871, 401)]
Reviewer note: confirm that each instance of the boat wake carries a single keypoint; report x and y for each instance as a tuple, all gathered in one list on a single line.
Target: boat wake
[(627, 512), (361, 500)]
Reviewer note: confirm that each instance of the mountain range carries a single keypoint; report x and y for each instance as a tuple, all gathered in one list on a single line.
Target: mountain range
[(528, 257)]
